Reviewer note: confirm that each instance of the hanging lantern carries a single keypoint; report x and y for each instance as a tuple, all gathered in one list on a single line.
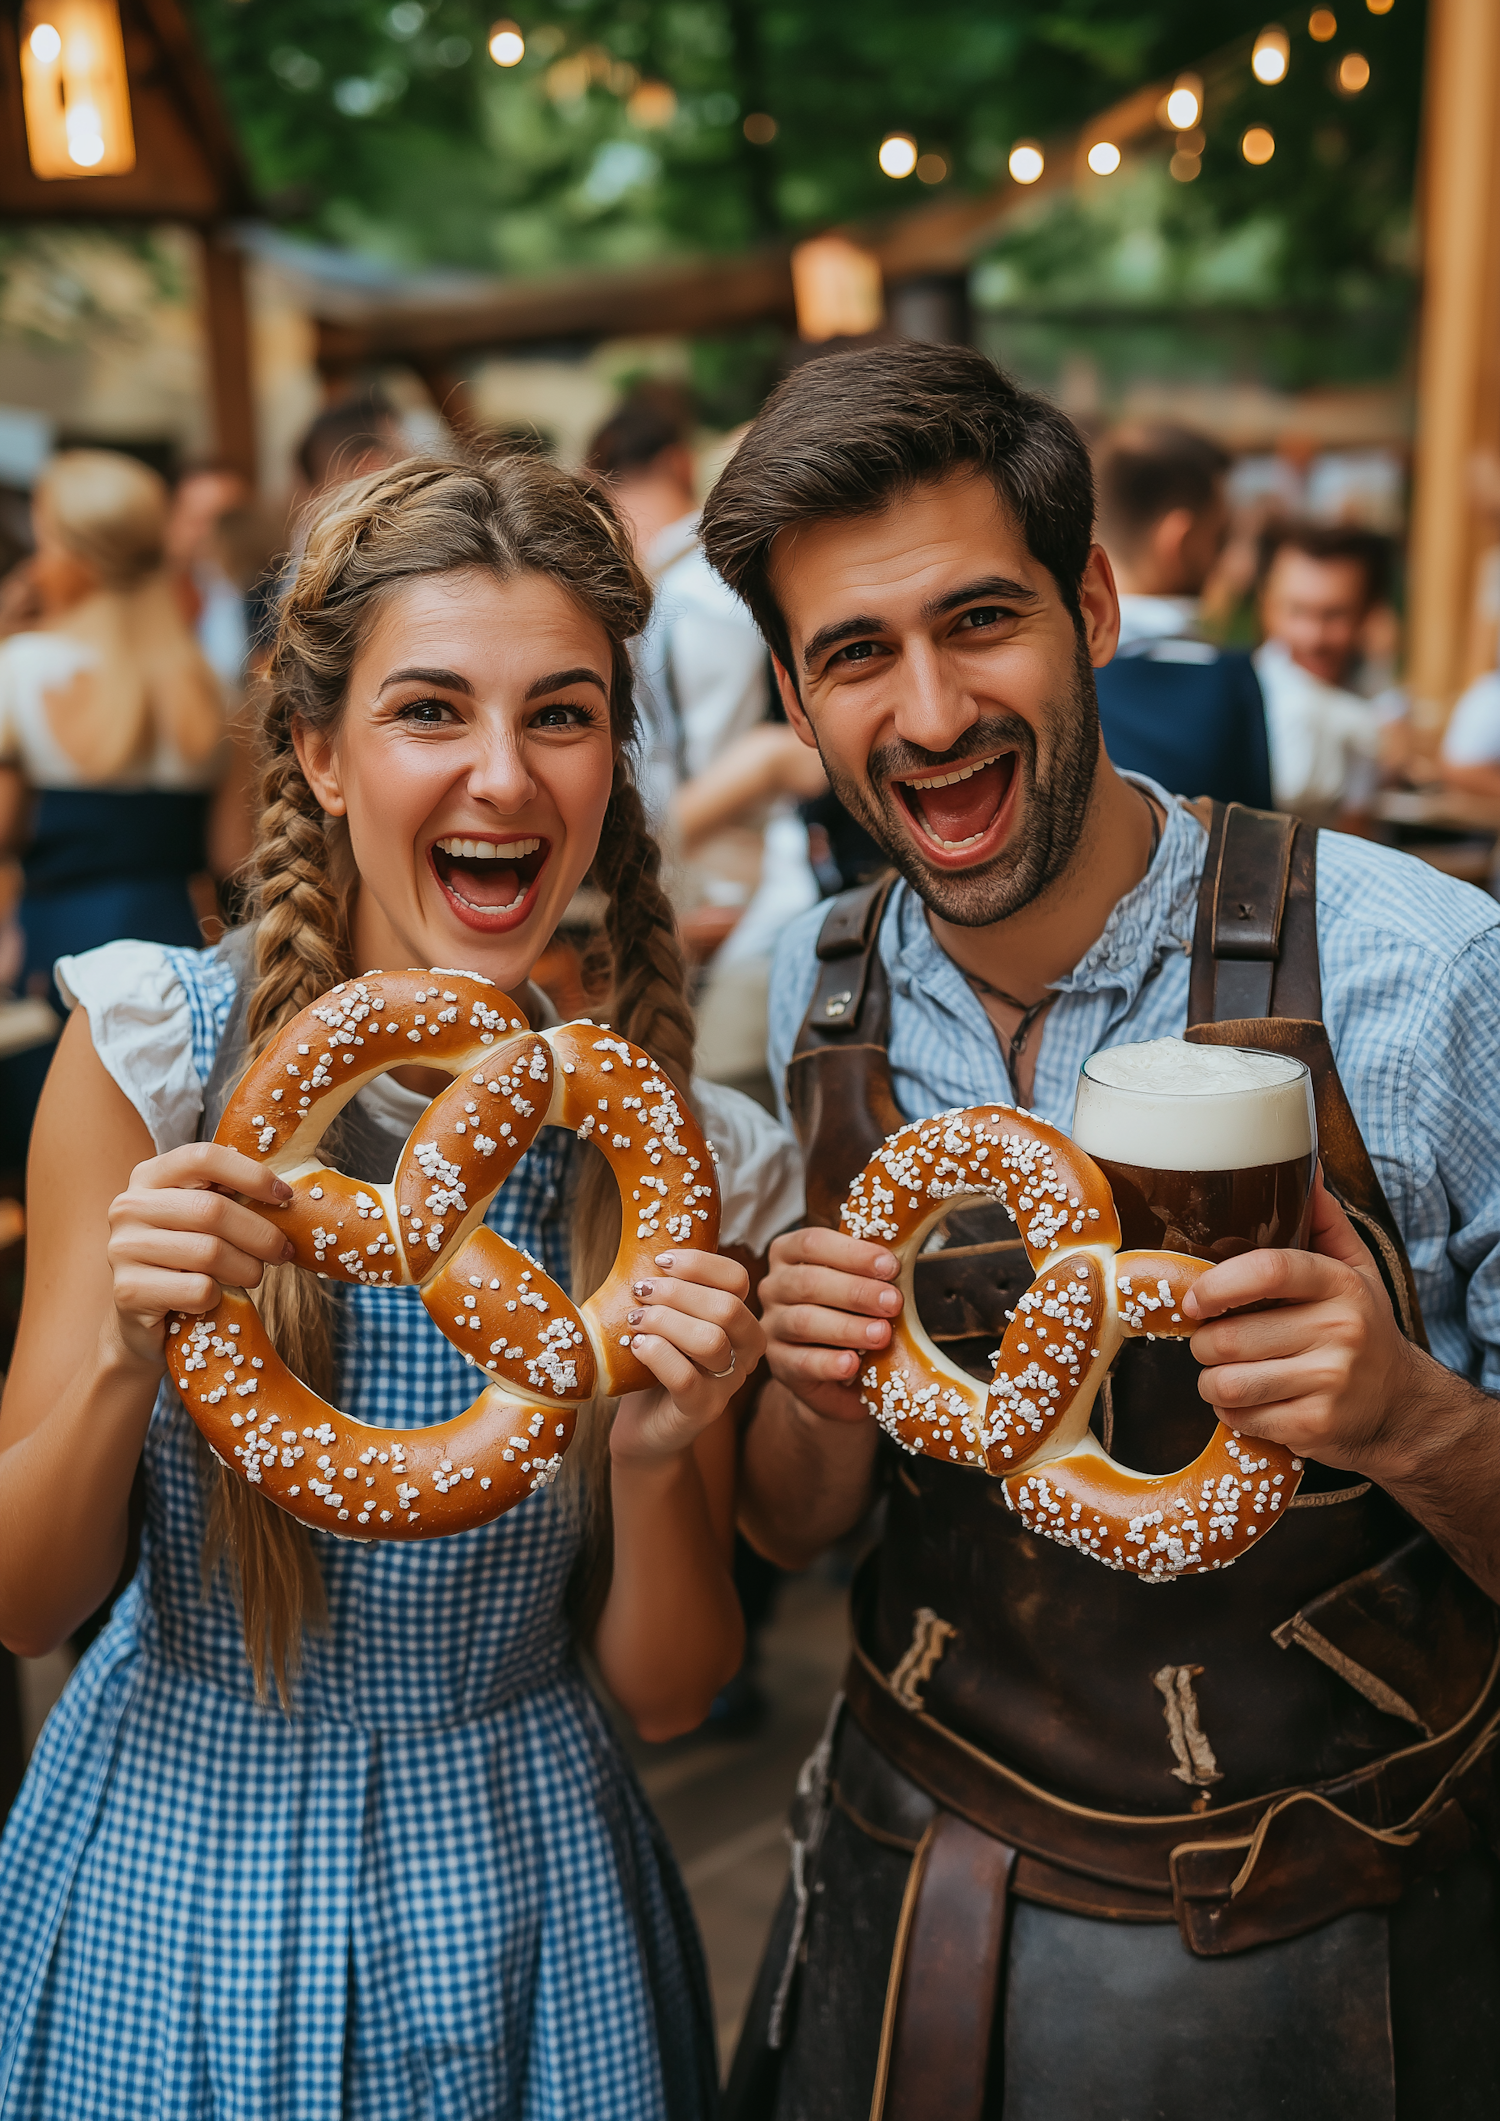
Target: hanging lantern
[(74, 89), (838, 289)]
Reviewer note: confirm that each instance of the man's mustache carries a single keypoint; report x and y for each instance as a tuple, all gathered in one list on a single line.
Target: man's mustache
[(891, 762)]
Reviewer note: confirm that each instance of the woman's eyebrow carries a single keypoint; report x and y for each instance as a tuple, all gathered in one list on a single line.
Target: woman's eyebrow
[(448, 679), (557, 679)]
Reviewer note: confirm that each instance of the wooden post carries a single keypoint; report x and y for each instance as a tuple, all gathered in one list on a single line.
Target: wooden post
[(227, 318), (1458, 404)]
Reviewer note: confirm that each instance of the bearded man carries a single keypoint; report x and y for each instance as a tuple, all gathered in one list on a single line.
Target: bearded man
[(1076, 1845)]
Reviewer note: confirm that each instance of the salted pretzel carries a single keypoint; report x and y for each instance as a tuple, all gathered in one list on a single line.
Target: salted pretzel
[(1030, 1425), (541, 1354)]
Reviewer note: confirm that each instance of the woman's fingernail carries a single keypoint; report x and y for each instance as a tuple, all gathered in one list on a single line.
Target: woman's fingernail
[(666, 1261), (642, 1289), (633, 1318), (890, 1299), (876, 1332), (282, 1190), (289, 1250), (849, 1364), (887, 1263)]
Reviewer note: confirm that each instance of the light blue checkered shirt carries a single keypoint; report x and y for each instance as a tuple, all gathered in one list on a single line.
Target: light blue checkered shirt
[(1410, 964)]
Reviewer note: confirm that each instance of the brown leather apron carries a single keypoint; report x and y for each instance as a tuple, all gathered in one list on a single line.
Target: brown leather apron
[(1248, 1757)]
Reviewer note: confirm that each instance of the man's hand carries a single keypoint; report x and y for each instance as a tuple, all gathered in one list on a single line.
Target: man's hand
[(1326, 1370), (826, 1302)]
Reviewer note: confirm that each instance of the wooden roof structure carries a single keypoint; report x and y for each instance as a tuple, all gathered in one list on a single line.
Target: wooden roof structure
[(188, 168)]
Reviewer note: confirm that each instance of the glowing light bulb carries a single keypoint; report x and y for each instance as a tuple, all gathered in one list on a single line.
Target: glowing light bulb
[(1354, 73), (1380, 7), (1026, 162), (1271, 56), (898, 154), (1258, 145), (1184, 107), (45, 43), (507, 45), (1322, 24), (1104, 158)]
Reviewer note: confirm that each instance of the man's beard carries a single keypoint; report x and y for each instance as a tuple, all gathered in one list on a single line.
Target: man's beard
[(1050, 809)]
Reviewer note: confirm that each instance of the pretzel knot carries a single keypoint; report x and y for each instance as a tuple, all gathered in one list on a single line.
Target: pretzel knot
[(541, 1355), (1030, 1426)]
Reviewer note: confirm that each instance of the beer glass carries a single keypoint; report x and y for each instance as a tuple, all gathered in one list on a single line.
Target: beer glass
[(1209, 1150)]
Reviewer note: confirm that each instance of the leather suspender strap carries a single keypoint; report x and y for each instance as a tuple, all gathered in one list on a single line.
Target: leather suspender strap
[(940, 2010), (846, 950), (1238, 943)]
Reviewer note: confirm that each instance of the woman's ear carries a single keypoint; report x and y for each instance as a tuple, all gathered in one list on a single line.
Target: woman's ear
[(317, 755)]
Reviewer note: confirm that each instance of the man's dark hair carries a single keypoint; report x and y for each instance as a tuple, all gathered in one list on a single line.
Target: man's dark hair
[(653, 418), (1146, 472), (346, 432), (849, 434), (1366, 549)]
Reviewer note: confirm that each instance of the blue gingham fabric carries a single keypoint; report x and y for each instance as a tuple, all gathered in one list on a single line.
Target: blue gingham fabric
[(1410, 963), (435, 1890)]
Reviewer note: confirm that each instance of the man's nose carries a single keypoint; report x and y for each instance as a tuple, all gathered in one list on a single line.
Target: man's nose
[(934, 708)]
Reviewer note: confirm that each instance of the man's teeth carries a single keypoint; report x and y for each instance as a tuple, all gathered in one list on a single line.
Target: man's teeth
[(955, 845), (948, 780), (489, 850)]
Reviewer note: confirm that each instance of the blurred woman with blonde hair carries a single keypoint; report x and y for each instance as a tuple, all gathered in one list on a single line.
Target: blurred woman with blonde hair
[(112, 735)]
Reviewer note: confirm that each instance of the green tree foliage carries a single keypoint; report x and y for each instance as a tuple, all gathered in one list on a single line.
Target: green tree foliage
[(388, 127)]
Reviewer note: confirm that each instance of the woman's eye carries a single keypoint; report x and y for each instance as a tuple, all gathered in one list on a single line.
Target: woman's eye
[(565, 714), (427, 714)]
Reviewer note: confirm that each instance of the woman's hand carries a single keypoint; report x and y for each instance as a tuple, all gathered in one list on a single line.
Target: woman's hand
[(177, 1236), (692, 1331)]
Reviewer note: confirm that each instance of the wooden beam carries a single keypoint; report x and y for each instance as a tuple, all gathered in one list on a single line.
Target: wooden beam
[(1458, 401), (226, 317)]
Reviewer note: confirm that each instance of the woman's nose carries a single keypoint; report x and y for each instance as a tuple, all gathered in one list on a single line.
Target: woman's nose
[(498, 774)]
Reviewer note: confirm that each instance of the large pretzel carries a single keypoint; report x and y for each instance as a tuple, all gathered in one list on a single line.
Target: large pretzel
[(541, 1354), (1030, 1426)]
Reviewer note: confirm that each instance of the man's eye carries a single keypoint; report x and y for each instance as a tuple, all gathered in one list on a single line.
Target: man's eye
[(856, 652), (983, 615)]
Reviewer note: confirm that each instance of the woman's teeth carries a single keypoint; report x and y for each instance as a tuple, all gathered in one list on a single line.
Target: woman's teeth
[(488, 850)]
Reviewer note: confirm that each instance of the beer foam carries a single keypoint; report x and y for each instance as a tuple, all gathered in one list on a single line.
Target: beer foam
[(1170, 1106)]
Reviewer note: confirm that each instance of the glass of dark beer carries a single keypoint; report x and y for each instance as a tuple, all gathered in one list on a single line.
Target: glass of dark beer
[(1209, 1150)]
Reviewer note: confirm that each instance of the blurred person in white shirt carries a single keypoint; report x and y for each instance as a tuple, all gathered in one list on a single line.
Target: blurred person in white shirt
[(1331, 715), (720, 773)]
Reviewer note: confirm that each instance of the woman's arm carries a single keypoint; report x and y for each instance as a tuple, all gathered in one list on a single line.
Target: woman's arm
[(12, 808), (116, 1238), (671, 1634)]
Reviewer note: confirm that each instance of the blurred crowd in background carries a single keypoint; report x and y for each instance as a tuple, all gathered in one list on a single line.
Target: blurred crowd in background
[(1259, 661)]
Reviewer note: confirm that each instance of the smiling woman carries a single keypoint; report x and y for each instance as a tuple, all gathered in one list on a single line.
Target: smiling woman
[(446, 739)]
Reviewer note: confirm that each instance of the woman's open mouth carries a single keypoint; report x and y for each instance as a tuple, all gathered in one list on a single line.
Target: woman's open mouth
[(490, 884), (961, 816)]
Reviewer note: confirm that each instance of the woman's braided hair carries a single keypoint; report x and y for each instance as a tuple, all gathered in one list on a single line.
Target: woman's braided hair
[(506, 516)]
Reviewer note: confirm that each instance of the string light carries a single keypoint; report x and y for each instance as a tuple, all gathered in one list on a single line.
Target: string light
[(1026, 162), (1185, 104), (1380, 7), (1258, 145), (652, 106), (1271, 56), (760, 128), (1322, 24), (1353, 74), (1185, 166), (1104, 158), (898, 154), (507, 45), (931, 169), (45, 43), (75, 90)]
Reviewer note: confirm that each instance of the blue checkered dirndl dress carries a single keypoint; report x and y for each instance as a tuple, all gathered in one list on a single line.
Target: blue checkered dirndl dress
[(434, 1890)]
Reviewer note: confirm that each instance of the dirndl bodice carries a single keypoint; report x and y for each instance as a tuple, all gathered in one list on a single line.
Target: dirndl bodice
[(433, 1889)]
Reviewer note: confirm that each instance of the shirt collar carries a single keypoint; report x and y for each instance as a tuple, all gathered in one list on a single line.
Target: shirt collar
[(1156, 618), (1149, 923)]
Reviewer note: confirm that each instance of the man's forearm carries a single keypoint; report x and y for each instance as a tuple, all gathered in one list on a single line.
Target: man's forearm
[(1444, 1468), (804, 1480)]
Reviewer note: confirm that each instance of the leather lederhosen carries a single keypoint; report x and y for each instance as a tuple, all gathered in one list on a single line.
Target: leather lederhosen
[(1247, 1754)]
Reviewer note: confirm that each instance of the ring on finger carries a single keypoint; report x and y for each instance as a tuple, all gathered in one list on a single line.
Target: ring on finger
[(719, 1374)]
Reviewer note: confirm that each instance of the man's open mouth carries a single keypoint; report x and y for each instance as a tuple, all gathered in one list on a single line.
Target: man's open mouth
[(489, 882), (959, 812)]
